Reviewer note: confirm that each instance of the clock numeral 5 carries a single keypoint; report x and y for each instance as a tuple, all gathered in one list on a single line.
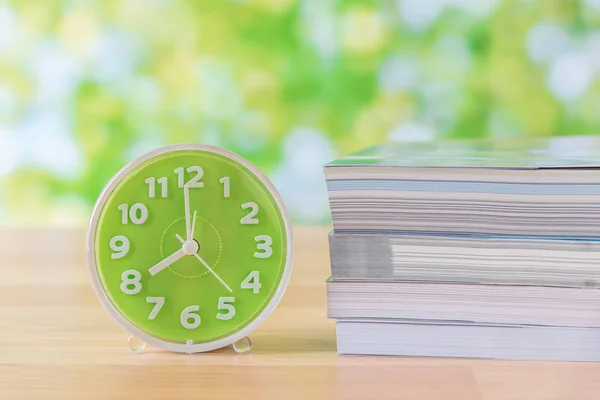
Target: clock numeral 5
[(189, 319), (159, 302), (194, 182), (131, 282), (264, 243), (120, 245), (138, 213), (249, 219), (224, 304), (252, 282), (152, 187)]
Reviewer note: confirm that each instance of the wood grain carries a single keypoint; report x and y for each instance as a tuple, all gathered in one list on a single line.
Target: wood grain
[(56, 342)]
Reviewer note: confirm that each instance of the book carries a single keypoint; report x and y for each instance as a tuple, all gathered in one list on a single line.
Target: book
[(468, 259), (543, 187), (507, 342)]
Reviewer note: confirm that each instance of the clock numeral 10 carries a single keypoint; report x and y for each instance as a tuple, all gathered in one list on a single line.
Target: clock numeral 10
[(138, 213), (252, 282), (249, 219), (189, 319), (264, 243), (152, 187), (226, 186), (120, 245), (225, 303), (194, 182)]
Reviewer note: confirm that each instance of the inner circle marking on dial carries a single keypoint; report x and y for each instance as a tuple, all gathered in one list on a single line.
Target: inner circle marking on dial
[(203, 273)]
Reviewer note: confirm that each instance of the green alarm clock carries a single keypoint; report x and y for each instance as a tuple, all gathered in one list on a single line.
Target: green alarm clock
[(189, 248)]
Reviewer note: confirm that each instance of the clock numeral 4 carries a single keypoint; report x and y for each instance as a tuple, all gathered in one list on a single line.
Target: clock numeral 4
[(194, 182), (249, 219), (252, 282), (120, 245), (138, 213), (264, 243), (225, 304), (189, 319), (152, 187), (226, 186), (131, 282), (158, 302)]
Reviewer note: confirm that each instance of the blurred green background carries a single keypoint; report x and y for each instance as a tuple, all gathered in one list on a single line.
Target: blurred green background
[(85, 86)]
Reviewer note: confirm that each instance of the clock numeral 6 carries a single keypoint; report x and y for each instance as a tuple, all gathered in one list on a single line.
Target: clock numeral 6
[(224, 304), (138, 213), (120, 245), (249, 219), (189, 319), (252, 282), (152, 187), (130, 282), (264, 243), (158, 302), (194, 182)]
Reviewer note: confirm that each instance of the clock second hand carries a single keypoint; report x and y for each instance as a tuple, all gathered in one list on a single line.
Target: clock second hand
[(207, 266)]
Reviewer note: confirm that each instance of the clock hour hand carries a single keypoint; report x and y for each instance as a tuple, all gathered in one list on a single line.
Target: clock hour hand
[(167, 262), (207, 266)]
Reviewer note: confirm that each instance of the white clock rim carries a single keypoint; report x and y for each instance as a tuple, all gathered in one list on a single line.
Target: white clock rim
[(129, 326)]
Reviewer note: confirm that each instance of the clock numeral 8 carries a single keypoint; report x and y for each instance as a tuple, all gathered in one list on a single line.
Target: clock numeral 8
[(131, 282)]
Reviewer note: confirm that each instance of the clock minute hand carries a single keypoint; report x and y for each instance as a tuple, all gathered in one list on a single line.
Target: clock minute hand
[(186, 198), (167, 262)]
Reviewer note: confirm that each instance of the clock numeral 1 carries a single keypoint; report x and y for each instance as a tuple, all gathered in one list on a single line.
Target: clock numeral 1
[(131, 282), (225, 304), (264, 243), (194, 182), (189, 319), (158, 302), (138, 213), (120, 245), (249, 219), (226, 186), (152, 187), (252, 282)]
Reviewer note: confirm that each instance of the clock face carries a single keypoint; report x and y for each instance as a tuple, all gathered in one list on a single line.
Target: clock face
[(189, 248)]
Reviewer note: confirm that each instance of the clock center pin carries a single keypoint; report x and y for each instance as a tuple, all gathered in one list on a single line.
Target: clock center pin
[(191, 247)]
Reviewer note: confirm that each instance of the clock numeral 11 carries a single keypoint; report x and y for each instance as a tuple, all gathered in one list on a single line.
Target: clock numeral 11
[(152, 187)]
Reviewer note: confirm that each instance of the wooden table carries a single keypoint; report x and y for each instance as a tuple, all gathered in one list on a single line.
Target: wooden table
[(57, 342)]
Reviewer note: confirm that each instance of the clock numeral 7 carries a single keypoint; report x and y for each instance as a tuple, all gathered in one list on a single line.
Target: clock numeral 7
[(159, 302), (138, 213), (152, 187), (194, 182)]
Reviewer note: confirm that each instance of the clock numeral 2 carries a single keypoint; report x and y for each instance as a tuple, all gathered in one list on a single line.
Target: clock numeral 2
[(252, 282), (138, 213), (194, 182), (249, 219), (152, 187), (158, 302)]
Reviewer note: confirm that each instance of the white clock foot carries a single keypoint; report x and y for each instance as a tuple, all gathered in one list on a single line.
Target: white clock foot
[(243, 346), (135, 345)]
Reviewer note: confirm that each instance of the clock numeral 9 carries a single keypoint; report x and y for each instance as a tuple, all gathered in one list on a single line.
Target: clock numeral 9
[(194, 182), (120, 245), (224, 304), (252, 282), (152, 187), (131, 282), (138, 213), (189, 319), (249, 219), (264, 243)]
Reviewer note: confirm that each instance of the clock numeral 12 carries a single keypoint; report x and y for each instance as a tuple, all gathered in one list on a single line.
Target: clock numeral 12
[(138, 213), (252, 282), (194, 182), (152, 187)]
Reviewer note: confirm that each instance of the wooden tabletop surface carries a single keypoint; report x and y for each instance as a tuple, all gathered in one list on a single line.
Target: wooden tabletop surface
[(57, 342)]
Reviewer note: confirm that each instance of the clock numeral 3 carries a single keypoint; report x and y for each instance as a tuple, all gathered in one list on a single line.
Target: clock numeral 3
[(131, 282), (264, 243), (225, 304), (138, 213), (189, 319), (252, 282), (194, 182), (152, 187), (120, 245), (158, 302), (249, 219)]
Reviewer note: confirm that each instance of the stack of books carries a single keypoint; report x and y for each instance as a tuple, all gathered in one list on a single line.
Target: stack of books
[(484, 249)]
